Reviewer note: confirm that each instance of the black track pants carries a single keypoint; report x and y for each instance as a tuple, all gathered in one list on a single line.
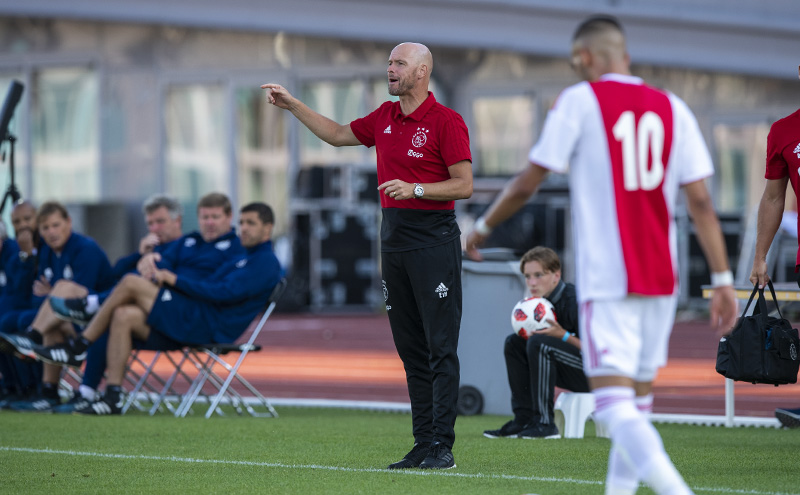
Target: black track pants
[(422, 289)]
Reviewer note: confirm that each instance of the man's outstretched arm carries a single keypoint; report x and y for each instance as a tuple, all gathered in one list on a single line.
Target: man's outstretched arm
[(324, 128)]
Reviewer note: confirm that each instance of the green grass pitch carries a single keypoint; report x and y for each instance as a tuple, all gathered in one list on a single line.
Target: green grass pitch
[(338, 451)]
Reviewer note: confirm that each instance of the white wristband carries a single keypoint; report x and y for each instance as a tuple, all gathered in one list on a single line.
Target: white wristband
[(721, 279), (481, 227)]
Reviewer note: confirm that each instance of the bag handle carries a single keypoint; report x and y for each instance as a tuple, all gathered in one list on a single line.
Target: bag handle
[(762, 302), (756, 290), (774, 298)]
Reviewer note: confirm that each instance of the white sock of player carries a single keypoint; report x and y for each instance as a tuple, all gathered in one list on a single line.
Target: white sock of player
[(92, 303), (644, 403), (622, 479), (87, 392), (633, 436)]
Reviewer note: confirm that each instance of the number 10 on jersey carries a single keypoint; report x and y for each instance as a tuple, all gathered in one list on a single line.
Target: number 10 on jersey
[(641, 144)]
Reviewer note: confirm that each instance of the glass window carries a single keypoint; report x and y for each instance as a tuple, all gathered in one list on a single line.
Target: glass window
[(262, 154), (502, 133), (64, 127), (741, 155), (341, 101), (196, 144)]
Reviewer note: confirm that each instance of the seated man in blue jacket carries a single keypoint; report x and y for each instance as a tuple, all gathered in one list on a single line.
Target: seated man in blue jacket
[(163, 216), (64, 255), (21, 377), (166, 310), (9, 249), (195, 255)]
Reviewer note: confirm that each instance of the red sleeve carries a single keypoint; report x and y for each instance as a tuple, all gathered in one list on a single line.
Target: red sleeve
[(364, 128), (777, 167), (455, 141)]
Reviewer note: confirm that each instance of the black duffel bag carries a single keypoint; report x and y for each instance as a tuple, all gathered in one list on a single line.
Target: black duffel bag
[(760, 348)]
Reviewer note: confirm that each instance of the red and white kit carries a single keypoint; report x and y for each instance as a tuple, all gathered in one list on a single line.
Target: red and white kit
[(629, 147)]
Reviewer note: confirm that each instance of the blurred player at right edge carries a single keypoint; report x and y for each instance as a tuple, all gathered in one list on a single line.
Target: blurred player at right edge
[(629, 147), (783, 166)]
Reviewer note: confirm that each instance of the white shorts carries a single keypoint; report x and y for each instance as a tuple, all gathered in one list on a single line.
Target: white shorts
[(627, 337)]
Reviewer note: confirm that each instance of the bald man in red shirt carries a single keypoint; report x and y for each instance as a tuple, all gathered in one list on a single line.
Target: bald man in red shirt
[(424, 165)]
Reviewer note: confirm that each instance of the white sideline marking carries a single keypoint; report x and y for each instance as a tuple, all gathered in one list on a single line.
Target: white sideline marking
[(190, 460), (414, 472)]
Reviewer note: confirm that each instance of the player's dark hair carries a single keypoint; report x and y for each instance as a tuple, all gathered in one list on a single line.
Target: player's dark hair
[(262, 209), (215, 200), (596, 24), (50, 208), (157, 201), (545, 256)]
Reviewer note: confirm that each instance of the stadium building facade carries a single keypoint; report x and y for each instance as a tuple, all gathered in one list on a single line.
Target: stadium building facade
[(123, 99)]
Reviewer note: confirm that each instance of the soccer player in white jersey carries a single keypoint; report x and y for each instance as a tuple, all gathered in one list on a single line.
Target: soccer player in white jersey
[(629, 148)]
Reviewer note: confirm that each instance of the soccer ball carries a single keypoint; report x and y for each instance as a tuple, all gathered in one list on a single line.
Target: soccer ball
[(531, 314)]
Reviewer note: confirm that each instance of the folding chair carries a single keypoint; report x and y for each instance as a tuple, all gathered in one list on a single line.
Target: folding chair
[(137, 380), (169, 390), (143, 388), (206, 357), (141, 375)]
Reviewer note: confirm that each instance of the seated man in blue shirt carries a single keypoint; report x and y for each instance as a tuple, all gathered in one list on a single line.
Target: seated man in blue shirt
[(64, 255), (163, 216), (196, 255), (167, 310), (21, 377), (8, 250)]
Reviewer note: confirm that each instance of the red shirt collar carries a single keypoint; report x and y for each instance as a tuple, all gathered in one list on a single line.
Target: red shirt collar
[(417, 114)]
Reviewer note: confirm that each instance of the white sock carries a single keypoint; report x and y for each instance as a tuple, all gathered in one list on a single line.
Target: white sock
[(633, 436), (87, 392), (644, 403), (92, 303), (621, 478)]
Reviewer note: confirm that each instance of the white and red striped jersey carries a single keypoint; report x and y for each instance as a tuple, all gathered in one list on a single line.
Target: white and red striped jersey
[(628, 148)]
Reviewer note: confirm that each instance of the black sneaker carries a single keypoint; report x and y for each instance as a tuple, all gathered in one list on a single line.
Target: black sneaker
[(539, 430), (101, 407), (63, 354), (39, 403), (11, 398), (510, 429), (789, 418), (71, 309), (413, 458), (19, 344), (439, 457), (76, 402)]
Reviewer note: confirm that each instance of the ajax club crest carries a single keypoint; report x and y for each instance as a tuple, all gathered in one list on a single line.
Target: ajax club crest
[(420, 137)]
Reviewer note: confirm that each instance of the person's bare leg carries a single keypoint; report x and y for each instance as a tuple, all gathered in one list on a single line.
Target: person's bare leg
[(128, 322), (132, 289), (46, 320)]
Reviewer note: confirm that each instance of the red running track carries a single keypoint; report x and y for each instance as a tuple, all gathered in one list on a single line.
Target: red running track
[(352, 357)]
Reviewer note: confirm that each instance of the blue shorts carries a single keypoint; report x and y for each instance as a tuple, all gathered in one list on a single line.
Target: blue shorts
[(157, 341), (180, 318)]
